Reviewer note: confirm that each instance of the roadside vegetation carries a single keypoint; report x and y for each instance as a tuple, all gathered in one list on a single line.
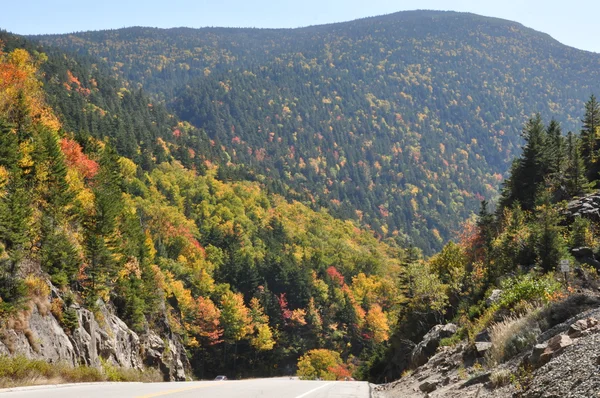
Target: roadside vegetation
[(22, 371), (502, 274)]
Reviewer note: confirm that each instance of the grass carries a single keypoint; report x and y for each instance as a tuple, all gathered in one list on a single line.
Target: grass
[(22, 371), (512, 335), (500, 378)]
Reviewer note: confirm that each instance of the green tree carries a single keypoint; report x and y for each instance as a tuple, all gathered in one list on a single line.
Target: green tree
[(576, 182), (101, 225), (590, 138), (550, 245)]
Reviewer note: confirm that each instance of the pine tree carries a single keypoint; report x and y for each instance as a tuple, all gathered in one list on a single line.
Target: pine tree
[(550, 245), (575, 179), (101, 226), (529, 171), (485, 227), (589, 137), (15, 215), (555, 144)]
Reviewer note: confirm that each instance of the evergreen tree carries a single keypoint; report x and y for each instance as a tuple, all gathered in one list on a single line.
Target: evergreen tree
[(530, 169), (589, 137), (101, 226), (550, 245), (485, 227), (575, 179)]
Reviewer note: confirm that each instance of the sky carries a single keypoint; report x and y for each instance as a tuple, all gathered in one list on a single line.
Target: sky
[(571, 22)]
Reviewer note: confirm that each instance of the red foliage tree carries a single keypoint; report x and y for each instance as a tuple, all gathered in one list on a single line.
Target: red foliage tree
[(77, 159)]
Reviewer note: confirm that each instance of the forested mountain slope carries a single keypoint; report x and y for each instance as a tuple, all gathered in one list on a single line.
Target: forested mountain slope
[(404, 121), (108, 197)]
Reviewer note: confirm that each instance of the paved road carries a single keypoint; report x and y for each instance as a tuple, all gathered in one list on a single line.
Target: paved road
[(258, 388)]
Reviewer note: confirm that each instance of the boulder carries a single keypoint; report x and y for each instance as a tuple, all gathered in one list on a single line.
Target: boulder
[(583, 327), (430, 342), (482, 348), (555, 346), (577, 329), (483, 336), (558, 343), (536, 353), (582, 252), (428, 386)]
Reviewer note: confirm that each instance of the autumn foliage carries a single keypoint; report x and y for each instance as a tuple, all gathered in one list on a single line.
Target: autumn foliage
[(79, 161)]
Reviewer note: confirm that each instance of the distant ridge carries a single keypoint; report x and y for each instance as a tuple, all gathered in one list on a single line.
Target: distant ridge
[(403, 121)]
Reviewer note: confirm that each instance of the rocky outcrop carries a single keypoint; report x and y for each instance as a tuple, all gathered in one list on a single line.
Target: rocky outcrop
[(113, 342), (167, 355), (587, 207), (95, 339), (563, 363), (431, 341)]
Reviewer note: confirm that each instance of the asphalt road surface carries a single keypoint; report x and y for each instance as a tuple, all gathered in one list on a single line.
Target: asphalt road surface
[(259, 388)]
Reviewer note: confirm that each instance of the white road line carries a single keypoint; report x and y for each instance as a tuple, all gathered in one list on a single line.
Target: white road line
[(313, 390)]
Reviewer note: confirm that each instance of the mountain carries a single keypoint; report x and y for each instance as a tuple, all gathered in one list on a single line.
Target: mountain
[(116, 222), (404, 122)]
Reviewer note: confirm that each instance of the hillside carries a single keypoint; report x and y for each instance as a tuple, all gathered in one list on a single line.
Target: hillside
[(404, 122), (114, 217)]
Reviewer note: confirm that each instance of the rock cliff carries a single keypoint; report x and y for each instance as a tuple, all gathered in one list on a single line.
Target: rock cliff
[(95, 339)]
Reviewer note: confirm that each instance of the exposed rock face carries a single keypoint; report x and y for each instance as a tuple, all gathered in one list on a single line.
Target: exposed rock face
[(43, 339), (169, 358), (108, 339), (431, 341)]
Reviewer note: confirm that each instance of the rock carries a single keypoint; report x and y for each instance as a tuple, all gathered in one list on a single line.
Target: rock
[(431, 341), (577, 329), (535, 357), (479, 379), (494, 297), (558, 343), (555, 346), (582, 252), (483, 336), (54, 344), (428, 386), (482, 348), (110, 339)]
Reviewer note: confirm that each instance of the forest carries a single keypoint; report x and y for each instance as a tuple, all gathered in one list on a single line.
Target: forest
[(278, 208), (246, 278), (402, 122)]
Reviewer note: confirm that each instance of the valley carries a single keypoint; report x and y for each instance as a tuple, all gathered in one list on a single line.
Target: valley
[(382, 199)]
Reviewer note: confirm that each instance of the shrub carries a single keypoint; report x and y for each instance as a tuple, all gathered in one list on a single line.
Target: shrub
[(319, 363), (450, 341), (512, 335), (529, 288)]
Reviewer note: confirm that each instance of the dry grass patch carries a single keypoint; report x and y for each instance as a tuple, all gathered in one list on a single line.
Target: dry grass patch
[(501, 377), (22, 371), (512, 336)]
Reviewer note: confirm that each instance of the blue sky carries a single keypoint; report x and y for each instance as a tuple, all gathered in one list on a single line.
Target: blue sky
[(572, 22)]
